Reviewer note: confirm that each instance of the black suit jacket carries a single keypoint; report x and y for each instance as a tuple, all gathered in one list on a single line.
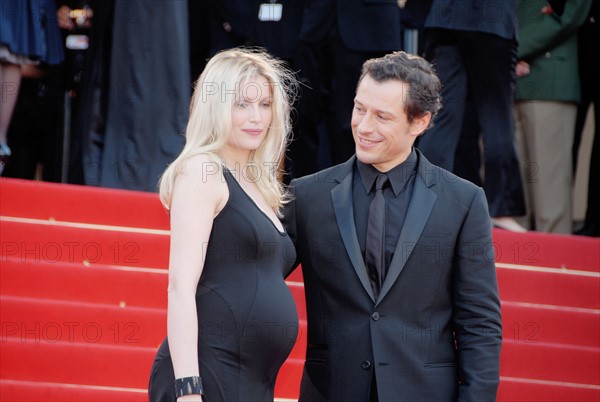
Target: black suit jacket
[(364, 25), (495, 17), (434, 332), (278, 37)]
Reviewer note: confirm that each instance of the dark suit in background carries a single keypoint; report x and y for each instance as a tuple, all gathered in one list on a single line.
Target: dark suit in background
[(230, 23), (199, 30), (237, 23), (336, 37), (590, 89), (472, 45), (280, 37)]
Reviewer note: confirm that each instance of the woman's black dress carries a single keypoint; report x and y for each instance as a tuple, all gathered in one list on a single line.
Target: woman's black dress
[(246, 314)]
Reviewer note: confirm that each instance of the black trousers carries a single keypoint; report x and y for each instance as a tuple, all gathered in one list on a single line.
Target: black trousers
[(478, 66), (329, 72)]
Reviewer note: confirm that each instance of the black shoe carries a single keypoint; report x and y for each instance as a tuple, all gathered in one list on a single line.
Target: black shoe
[(589, 229), (4, 156)]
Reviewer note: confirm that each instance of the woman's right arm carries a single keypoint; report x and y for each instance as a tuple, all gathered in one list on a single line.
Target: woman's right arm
[(197, 199)]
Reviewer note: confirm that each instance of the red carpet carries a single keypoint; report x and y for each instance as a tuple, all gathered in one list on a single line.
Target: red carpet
[(83, 301)]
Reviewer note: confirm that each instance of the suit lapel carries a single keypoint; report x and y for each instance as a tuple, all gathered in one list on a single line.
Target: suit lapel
[(341, 196), (419, 209)]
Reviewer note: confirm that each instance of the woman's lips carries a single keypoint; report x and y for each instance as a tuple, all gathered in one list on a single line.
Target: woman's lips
[(253, 131)]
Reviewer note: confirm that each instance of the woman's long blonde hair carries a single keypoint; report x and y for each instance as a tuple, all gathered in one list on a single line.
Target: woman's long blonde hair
[(209, 125)]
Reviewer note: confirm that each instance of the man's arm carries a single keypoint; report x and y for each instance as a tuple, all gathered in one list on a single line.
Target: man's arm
[(477, 320), (289, 222)]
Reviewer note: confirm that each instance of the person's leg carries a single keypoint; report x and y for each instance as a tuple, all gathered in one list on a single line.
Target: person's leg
[(439, 143), (528, 169), (347, 66), (582, 112), (313, 66), (490, 71), (590, 91), (592, 214), (467, 160), (549, 126), (10, 80), (23, 133)]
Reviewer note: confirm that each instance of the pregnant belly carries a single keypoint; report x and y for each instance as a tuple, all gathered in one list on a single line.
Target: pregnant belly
[(272, 328), (259, 328)]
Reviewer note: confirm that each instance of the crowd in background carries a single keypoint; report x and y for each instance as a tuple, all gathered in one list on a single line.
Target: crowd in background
[(108, 105)]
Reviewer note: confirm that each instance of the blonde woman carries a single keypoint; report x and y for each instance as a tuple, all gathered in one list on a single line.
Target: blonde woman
[(231, 319)]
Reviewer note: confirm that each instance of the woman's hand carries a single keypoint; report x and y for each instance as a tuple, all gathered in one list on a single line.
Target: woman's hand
[(64, 18)]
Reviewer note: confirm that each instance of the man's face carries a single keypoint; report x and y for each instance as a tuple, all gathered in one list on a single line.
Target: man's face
[(382, 133)]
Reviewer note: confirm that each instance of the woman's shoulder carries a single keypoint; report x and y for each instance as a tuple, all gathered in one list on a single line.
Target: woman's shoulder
[(206, 167), (200, 181), (203, 172), (199, 163)]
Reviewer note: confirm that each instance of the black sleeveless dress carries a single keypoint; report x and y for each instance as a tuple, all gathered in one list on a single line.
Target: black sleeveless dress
[(247, 316)]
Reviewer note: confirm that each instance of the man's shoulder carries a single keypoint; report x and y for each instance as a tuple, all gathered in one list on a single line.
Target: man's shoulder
[(328, 177), (447, 184)]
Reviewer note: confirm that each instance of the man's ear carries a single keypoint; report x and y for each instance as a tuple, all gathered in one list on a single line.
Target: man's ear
[(420, 124)]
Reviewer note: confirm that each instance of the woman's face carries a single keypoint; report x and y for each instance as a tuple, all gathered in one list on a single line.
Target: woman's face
[(251, 115)]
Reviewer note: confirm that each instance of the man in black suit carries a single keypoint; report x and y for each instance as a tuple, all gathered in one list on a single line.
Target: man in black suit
[(424, 325)]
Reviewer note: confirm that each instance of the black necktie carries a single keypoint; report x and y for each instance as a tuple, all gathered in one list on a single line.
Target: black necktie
[(375, 243)]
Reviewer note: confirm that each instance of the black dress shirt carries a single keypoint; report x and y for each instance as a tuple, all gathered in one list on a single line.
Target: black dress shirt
[(397, 193)]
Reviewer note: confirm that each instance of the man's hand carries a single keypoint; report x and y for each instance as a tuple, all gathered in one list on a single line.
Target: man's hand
[(522, 68)]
